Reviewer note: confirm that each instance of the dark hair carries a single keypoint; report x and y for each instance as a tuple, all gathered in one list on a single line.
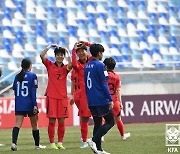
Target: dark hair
[(95, 49), (25, 64), (82, 47), (110, 63), (60, 50)]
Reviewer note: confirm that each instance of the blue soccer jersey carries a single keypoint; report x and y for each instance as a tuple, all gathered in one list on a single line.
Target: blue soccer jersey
[(96, 76), (25, 92)]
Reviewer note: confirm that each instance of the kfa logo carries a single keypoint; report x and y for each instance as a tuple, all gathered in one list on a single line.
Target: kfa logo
[(172, 136)]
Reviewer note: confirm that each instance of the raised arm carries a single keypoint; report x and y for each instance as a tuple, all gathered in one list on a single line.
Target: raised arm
[(69, 66), (43, 53), (74, 60)]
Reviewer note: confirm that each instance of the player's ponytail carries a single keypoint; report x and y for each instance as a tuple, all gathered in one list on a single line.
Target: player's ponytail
[(25, 64)]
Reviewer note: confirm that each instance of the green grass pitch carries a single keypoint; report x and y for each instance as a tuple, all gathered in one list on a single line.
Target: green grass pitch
[(145, 139)]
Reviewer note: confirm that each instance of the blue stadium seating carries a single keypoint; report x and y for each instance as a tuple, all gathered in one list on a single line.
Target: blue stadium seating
[(132, 30)]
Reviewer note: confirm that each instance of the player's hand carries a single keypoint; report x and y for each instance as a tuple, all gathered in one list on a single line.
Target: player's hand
[(78, 44), (54, 45), (72, 101), (111, 104), (121, 106), (35, 110), (66, 50)]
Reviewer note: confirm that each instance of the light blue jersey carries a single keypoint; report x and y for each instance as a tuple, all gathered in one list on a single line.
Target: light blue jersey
[(25, 92), (95, 77)]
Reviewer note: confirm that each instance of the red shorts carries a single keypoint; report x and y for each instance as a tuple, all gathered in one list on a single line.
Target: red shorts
[(116, 108), (83, 106), (57, 108), (76, 97)]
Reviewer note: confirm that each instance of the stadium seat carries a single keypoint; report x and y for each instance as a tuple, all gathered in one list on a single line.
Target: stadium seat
[(137, 61), (100, 7), (71, 4), (147, 59), (115, 50), (91, 8), (10, 4), (104, 37), (4, 53), (143, 44), (163, 19), (122, 3), (121, 13), (12, 65), (156, 56), (60, 3), (125, 50)]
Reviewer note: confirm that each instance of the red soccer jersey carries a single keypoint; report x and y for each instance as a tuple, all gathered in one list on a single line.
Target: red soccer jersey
[(75, 80), (57, 77), (113, 83)]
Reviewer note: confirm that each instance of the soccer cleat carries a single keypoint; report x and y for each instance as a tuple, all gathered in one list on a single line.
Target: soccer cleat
[(40, 147), (84, 145), (92, 145), (60, 146), (13, 147), (102, 152), (53, 146), (102, 139), (126, 135)]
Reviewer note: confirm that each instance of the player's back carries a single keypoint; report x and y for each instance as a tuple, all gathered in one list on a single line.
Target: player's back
[(113, 83), (95, 79), (24, 90)]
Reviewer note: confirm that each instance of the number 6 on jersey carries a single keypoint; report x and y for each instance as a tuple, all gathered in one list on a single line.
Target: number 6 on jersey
[(89, 81)]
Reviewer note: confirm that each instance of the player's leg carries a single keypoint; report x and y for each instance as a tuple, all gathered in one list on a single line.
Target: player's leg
[(84, 114), (35, 131), (84, 131), (51, 105), (96, 136), (51, 132), (15, 131), (61, 132), (109, 123), (62, 113), (120, 126)]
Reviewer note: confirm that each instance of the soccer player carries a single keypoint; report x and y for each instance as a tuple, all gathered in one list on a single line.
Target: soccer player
[(56, 92), (24, 86), (99, 98), (78, 65), (114, 84)]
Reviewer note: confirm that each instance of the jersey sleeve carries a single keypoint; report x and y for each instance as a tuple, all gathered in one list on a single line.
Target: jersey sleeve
[(102, 72), (47, 63)]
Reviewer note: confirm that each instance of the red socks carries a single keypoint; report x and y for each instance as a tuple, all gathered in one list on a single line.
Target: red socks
[(51, 128), (84, 130), (120, 126), (61, 131)]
